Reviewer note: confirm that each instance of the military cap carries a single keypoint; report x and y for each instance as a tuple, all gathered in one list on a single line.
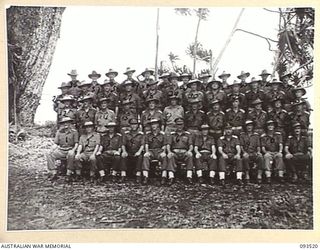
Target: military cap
[(299, 87), (129, 70), (127, 82), (174, 97), (204, 126), (66, 119), (254, 80), (275, 81), (111, 71), (102, 99), (194, 101), (173, 75), (133, 121), (224, 74), (154, 120), (148, 70), (73, 73), (86, 97), (179, 121), (111, 124), (235, 83), (193, 81), (298, 102), (249, 122), (126, 101), (246, 74), (270, 122), (296, 124), (185, 74), (228, 126), (152, 81), (205, 75), (153, 99), (257, 101), (164, 75), (264, 73), (88, 124), (215, 101), (67, 98), (65, 85), (84, 83), (94, 74)]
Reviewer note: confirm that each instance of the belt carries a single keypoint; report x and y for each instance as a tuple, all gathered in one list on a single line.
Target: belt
[(239, 127), (193, 128), (215, 131), (65, 149), (179, 150), (204, 151)]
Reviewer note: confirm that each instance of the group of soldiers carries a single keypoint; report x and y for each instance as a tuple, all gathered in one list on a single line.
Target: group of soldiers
[(206, 128)]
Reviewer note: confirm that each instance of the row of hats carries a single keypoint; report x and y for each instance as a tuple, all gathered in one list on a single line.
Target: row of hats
[(111, 71)]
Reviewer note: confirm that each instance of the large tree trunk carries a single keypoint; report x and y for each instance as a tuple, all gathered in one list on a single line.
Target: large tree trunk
[(33, 30)]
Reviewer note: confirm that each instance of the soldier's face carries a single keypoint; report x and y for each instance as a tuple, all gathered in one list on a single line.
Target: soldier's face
[(299, 107), (179, 127), (152, 105), (64, 90), (205, 80), (254, 85), (85, 88), (89, 129), (66, 125), (297, 130), (129, 74), (264, 77), (154, 126), (134, 127), (243, 78), (216, 107), (205, 132), (111, 76), (277, 104), (236, 88), (107, 87), (286, 79), (258, 106), (173, 102), (193, 86), (275, 86), (147, 75), (228, 131), (126, 106), (67, 103), (128, 87), (271, 127), (111, 129), (104, 105), (269, 108), (94, 78), (73, 78), (224, 78), (194, 106), (185, 79), (235, 103), (215, 86), (174, 80), (249, 127), (299, 93)]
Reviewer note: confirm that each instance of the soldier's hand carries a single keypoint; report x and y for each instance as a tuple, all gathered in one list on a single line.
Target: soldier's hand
[(225, 156), (124, 154), (198, 155), (77, 156), (213, 156), (289, 156), (237, 156), (92, 157), (170, 155), (188, 153), (137, 154), (98, 153), (162, 154), (279, 154), (245, 155)]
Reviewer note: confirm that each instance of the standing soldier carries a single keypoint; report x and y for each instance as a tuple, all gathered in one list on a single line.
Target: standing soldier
[(65, 89), (112, 74), (155, 149), (235, 116), (89, 144), (298, 93), (85, 88), (66, 142), (67, 108), (194, 118), (275, 91), (216, 120), (172, 88), (109, 153), (254, 93), (224, 85), (259, 116), (214, 93), (280, 116), (185, 77), (179, 148), (165, 83), (171, 113), (192, 93), (132, 148), (128, 94), (95, 86), (86, 113), (235, 92), (287, 88), (229, 148), (103, 116), (272, 146), (152, 112), (204, 78), (298, 151), (205, 150), (74, 83), (153, 92), (264, 83), (129, 73), (251, 151), (126, 114), (147, 73), (112, 97), (243, 76), (300, 115)]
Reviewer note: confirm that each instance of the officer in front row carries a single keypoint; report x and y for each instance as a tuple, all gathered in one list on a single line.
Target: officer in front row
[(179, 148), (155, 149)]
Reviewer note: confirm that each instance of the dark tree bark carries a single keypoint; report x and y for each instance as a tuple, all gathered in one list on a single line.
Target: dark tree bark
[(32, 36)]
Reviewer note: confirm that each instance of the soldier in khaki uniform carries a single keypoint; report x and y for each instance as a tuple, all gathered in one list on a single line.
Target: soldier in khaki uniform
[(74, 83), (128, 94), (153, 92), (143, 83), (264, 83), (66, 108), (126, 114), (251, 151), (112, 96), (109, 154), (179, 148), (235, 116), (152, 112), (280, 116), (259, 116), (112, 74), (95, 86), (298, 92), (205, 150), (86, 113), (85, 88), (229, 149), (132, 150), (171, 113), (66, 142), (192, 93), (185, 77), (216, 120), (235, 92), (164, 81), (65, 89), (275, 91), (194, 118), (129, 73), (103, 116), (89, 144), (300, 115), (243, 84), (204, 78), (172, 89), (254, 93), (155, 149), (298, 149), (272, 146), (224, 85), (214, 93)]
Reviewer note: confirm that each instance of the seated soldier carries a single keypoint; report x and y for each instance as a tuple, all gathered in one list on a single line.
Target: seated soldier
[(272, 146), (298, 151), (132, 148), (155, 147), (251, 151), (205, 150), (229, 148), (86, 152), (66, 142), (109, 154), (179, 147), (103, 116)]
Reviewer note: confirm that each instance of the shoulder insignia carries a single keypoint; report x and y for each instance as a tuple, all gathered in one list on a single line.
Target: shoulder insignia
[(242, 111), (248, 91), (143, 111), (221, 112), (140, 133), (201, 111), (255, 133), (242, 133), (209, 112), (160, 111), (222, 137), (241, 94), (127, 132), (263, 111), (187, 132), (306, 112), (172, 133), (161, 132), (263, 135), (284, 111), (290, 136), (228, 109), (120, 134), (187, 112), (278, 133), (148, 132), (234, 136)]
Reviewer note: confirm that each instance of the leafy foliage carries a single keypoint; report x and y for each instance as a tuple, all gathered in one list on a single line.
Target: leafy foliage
[(202, 54)]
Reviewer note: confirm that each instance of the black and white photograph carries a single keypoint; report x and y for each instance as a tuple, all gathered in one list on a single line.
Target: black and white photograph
[(133, 117)]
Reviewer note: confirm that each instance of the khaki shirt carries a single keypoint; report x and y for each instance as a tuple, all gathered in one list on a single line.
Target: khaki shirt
[(89, 142), (66, 138)]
